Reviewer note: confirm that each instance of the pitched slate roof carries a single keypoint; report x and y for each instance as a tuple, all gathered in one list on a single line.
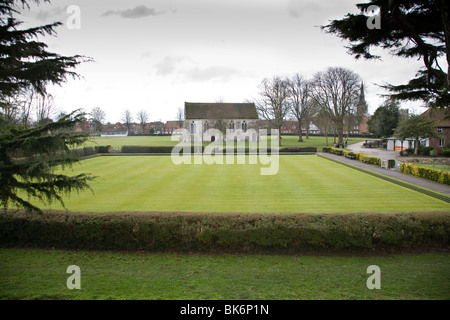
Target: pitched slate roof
[(220, 111)]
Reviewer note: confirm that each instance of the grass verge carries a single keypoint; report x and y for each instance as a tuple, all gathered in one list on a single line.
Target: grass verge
[(41, 274)]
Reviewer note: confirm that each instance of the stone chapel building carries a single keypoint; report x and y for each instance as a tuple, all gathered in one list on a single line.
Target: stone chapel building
[(226, 117)]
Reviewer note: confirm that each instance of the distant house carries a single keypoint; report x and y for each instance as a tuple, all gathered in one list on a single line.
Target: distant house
[(171, 127), (441, 118), (199, 117)]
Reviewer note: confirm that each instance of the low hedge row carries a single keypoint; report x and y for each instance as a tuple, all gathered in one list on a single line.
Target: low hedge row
[(240, 233), (304, 149), (168, 149), (426, 173), (358, 156), (89, 151)]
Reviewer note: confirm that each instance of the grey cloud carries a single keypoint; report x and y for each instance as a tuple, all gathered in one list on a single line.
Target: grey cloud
[(298, 8), (58, 12), (135, 13), (211, 73), (167, 66)]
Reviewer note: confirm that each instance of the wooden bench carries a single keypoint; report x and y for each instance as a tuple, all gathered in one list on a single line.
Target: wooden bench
[(366, 159), (351, 155)]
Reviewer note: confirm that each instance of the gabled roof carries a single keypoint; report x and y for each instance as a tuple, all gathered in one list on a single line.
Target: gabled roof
[(441, 117), (220, 111)]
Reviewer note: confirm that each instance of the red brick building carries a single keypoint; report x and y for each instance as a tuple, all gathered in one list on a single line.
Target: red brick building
[(441, 117), (171, 127)]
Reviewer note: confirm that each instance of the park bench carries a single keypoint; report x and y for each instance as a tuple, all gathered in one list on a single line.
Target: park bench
[(366, 160), (351, 155)]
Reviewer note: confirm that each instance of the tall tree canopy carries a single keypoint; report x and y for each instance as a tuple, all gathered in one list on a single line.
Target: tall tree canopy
[(24, 61), (417, 29), (385, 119), (30, 158), (418, 127), (337, 92)]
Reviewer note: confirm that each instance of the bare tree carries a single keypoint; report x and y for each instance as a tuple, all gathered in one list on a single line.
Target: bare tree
[(45, 108), (299, 100), (273, 103), (143, 118), (180, 117), (127, 118), (26, 107), (98, 116), (336, 91)]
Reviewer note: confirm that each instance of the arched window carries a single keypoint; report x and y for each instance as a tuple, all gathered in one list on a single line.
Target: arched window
[(232, 125), (244, 126), (205, 126), (192, 127)]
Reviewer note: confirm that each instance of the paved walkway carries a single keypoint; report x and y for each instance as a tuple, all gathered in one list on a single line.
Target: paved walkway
[(375, 152), (438, 187)]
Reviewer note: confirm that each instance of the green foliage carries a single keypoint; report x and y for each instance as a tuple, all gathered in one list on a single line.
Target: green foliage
[(416, 126), (151, 149), (25, 62), (249, 233), (357, 155), (385, 119), (29, 158), (408, 29), (426, 173), (446, 152)]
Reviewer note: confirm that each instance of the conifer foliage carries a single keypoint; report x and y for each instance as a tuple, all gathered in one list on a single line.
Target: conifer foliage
[(31, 159)]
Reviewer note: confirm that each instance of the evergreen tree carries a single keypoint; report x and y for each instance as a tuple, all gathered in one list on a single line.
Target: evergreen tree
[(385, 119), (24, 61), (30, 158), (409, 29)]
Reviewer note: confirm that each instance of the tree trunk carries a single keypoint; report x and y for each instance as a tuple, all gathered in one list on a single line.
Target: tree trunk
[(279, 136), (340, 132), (300, 139), (416, 147)]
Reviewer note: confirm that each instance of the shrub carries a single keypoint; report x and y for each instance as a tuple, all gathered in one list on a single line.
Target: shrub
[(151, 149), (305, 149), (446, 152), (426, 173), (249, 233)]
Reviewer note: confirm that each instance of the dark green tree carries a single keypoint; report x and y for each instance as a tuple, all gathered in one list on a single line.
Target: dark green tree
[(418, 29), (385, 119), (30, 159), (25, 61), (417, 127)]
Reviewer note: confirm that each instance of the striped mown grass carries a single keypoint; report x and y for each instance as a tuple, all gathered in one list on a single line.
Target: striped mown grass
[(303, 184)]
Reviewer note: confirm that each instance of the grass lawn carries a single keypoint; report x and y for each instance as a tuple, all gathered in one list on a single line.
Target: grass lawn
[(308, 184), (287, 141), (41, 274)]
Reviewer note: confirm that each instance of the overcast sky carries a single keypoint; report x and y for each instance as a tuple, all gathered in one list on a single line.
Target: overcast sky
[(155, 55)]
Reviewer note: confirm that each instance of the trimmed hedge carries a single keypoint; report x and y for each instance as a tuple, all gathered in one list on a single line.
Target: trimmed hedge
[(168, 149), (426, 173), (304, 149), (214, 232), (358, 156)]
